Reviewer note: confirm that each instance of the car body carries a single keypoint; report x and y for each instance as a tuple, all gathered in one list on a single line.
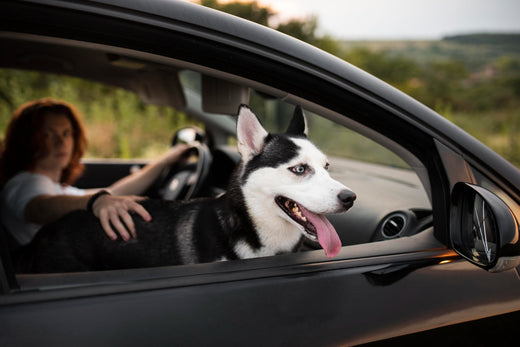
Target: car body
[(382, 285)]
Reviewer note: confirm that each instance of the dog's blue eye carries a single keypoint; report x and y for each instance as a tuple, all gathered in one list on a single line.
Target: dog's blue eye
[(298, 170)]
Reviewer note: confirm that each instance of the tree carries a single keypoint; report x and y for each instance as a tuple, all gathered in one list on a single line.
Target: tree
[(302, 29), (305, 30), (252, 11)]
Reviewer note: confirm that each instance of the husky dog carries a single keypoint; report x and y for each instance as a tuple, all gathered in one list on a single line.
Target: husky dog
[(278, 195)]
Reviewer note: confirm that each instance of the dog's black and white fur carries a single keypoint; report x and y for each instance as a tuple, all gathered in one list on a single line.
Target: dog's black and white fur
[(279, 193)]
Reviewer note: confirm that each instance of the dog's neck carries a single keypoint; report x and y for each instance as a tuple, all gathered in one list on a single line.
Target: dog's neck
[(258, 236)]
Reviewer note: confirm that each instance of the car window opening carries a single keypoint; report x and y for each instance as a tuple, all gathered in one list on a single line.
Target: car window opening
[(367, 168)]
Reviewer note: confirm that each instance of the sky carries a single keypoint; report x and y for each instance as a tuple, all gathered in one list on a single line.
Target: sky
[(403, 19)]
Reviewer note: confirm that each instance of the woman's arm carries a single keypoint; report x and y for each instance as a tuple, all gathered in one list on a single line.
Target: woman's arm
[(138, 182), (112, 211)]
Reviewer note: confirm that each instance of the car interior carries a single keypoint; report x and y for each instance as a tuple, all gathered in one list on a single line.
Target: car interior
[(393, 189)]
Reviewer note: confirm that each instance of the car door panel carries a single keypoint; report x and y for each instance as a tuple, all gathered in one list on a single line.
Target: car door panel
[(289, 308)]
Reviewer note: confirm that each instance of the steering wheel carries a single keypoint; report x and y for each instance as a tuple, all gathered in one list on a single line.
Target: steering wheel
[(184, 181)]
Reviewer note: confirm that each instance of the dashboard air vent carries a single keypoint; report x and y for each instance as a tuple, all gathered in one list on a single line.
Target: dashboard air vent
[(393, 225)]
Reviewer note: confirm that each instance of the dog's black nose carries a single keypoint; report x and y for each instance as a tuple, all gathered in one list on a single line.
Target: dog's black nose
[(347, 197)]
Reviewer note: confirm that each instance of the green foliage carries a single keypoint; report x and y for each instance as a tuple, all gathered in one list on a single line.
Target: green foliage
[(252, 11), (508, 71), (118, 124), (396, 70), (474, 82), (303, 29)]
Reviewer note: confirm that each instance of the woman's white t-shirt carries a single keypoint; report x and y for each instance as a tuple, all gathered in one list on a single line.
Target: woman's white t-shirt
[(17, 192)]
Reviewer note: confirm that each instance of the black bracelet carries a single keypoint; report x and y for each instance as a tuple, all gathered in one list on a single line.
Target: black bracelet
[(93, 199)]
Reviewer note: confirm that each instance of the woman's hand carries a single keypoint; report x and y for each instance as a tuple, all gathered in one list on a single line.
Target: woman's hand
[(176, 154), (114, 213)]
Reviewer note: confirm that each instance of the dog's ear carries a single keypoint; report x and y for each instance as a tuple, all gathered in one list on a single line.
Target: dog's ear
[(250, 133), (298, 125)]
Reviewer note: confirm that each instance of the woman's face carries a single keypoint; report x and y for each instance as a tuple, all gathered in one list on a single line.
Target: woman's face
[(58, 141)]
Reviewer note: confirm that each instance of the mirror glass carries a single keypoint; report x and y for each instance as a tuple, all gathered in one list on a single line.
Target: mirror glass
[(478, 230), (483, 228)]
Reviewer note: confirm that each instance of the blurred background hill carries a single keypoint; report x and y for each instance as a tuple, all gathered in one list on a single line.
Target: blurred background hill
[(476, 51)]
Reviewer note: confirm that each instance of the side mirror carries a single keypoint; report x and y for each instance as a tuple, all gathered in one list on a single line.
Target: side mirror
[(483, 229)]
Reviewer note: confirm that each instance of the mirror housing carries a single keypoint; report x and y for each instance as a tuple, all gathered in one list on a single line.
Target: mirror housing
[(483, 229)]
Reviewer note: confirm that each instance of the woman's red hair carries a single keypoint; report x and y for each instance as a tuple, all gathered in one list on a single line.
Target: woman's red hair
[(23, 144)]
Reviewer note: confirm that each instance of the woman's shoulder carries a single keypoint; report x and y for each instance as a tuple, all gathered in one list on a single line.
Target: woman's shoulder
[(26, 176), (27, 182)]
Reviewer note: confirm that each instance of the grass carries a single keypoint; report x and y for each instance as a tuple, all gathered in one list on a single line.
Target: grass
[(498, 130)]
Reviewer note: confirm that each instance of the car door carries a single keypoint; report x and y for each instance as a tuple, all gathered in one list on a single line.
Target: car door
[(262, 301)]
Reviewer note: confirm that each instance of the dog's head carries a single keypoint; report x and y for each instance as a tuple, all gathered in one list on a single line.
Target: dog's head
[(286, 182)]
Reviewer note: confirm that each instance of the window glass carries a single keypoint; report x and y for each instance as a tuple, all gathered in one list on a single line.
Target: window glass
[(336, 140), (118, 123)]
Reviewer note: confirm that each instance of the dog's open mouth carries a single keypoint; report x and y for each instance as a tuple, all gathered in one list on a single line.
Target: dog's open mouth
[(293, 210), (315, 226)]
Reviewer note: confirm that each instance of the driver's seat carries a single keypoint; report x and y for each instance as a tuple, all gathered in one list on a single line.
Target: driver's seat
[(8, 248)]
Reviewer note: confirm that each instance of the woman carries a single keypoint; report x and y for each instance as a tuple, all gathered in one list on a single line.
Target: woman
[(42, 149)]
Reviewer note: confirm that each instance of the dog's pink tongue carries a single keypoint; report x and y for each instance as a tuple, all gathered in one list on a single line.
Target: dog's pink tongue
[(327, 235)]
